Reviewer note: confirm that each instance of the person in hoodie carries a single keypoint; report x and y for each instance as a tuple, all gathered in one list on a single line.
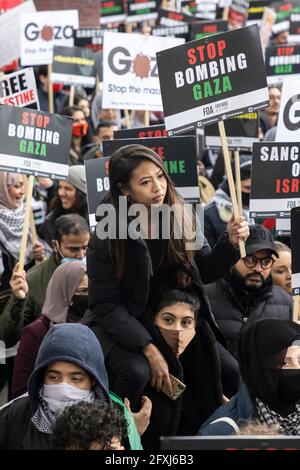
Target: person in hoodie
[(269, 357), (66, 301), (220, 211), (69, 369)]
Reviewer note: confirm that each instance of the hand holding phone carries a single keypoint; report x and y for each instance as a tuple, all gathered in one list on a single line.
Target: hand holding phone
[(178, 388)]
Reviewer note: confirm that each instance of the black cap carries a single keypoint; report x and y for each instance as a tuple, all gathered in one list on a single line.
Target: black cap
[(260, 238)]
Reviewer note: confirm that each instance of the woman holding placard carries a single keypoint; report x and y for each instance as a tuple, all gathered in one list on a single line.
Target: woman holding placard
[(125, 268)]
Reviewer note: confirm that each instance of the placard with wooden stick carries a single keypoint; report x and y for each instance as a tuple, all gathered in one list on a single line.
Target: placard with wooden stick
[(238, 180), (236, 211), (26, 222)]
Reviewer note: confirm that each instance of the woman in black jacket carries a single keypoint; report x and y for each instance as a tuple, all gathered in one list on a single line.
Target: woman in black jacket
[(126, 265)]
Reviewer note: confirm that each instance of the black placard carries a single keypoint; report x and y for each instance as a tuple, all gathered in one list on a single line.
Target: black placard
[(281, 61), (141, 132), (241, 133), (138, 11), (203, 29), (97, 183), (112, 11), (211, 79), (178, 155), (34, 142), (275, 182)]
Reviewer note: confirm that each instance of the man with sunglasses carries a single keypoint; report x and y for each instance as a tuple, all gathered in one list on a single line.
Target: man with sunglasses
[(247, 293)]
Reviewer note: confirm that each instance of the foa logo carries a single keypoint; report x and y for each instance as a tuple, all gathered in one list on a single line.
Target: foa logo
[(48, 33)]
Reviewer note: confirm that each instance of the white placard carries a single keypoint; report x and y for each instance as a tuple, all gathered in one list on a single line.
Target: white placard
[(19, 89), (289, 113), (10, 25), (130, 76), (43, 30)]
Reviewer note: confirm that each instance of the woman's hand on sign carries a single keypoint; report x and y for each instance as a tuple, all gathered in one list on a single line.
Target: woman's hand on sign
[(18, 284), (238, 229), (159, 370), (38, 252)]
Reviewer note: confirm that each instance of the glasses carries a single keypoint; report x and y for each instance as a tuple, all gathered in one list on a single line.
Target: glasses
[(265, 263)]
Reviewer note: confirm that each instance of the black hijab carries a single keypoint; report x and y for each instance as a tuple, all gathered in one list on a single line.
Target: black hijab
[(262, 348)]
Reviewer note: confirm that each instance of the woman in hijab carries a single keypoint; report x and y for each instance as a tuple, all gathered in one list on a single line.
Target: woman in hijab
[(269, 357), (70, 199), (66, 302), (12, 215)]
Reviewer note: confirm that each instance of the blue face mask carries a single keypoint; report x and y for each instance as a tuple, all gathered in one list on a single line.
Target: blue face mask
[(65, 260)]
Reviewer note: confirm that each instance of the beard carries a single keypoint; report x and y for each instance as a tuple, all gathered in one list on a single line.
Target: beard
[(248, 282)]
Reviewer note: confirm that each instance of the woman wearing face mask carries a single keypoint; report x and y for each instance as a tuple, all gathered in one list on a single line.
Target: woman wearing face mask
[(69, 369), (66, 302), (12, 215), (219, 211), (269, 357), (124, 273), (190, 349), (282, 268), (70, 199), (80, 135)]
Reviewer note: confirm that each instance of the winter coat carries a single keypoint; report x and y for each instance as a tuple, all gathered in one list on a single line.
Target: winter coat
[(230, 314), (198, 367), (16, 428), (115, 307), (18, 313)]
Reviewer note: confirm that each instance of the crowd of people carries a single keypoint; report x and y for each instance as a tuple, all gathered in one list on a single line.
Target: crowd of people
[(118, 341)]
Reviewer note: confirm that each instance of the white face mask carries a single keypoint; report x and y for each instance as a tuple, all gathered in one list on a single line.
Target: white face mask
[(59, 396)]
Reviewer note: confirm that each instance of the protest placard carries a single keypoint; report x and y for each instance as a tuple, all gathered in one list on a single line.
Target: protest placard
[(172, 18), (88, 10), (175, 31), (112, 11), (97, 183), (207, 9), (283, 227), (138, 10), (289, 113), (212, 79), (281, 61), (34, 142), (19, 89), (241, 133), (294, 31), (141, 132), (256, 11), (90, 38), (295, 247), (41, 31), (10, 26), (275, 182), (203, 29), (73, 66), (178, 156), (130, 78)]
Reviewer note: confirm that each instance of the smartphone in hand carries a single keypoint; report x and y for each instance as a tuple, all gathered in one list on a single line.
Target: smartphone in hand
[(178, 388)]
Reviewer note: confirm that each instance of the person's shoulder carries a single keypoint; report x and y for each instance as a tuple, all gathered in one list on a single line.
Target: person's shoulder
[(280, 295), (35, 271), (14, 407)]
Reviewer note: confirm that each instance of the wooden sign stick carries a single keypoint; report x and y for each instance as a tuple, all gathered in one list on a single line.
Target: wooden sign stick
[(26, 222), (147, 119), (50, 90), (72, 95), (296, 299), (127, 118), (238, 180), (230, 181)]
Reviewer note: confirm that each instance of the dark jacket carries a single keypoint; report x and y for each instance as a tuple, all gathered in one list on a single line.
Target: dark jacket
[(115, 306), (199, 369), (231, 314), (31, 338), (18, 313), (213, 224), (67, 342), (240, 407)]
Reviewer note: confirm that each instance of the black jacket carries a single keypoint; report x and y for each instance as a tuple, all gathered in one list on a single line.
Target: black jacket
[(231, 314), (199, 369), (213, 224), (115, 306)]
